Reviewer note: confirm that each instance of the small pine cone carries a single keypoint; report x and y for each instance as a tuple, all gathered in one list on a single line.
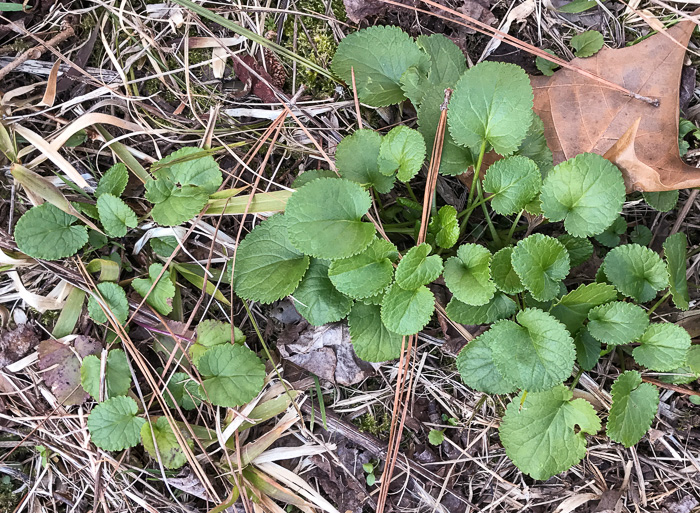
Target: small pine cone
[(274, 66)]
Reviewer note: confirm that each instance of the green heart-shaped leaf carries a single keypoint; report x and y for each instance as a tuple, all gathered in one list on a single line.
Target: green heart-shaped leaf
[(324, 219), (492, 104), (586, 192), (468, 275), (267, 266), (541, 262), (636, 271), (536, 354)]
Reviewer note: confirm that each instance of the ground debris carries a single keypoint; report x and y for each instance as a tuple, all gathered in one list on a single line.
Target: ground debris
[(326, 351), (16, 343)]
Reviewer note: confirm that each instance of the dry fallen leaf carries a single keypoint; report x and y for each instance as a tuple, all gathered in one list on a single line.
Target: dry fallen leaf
[(580, 115), (325, 351), (62, 366)]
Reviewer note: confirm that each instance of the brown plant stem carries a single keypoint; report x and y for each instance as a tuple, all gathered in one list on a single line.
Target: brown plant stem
[(37, 51)]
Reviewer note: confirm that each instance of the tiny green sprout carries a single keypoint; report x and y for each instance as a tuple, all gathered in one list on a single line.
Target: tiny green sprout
[(436, 436), (369, 470), (450, 420)]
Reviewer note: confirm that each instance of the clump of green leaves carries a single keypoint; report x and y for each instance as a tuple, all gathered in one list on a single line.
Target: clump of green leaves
[(326, 254), (232, 375), (182, 185)]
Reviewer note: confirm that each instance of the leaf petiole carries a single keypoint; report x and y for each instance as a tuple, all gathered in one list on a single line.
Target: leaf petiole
[(659, 303)]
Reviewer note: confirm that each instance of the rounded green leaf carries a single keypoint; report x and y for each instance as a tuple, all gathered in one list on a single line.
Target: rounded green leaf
[(174, 205), (357, 159), (114, 299), (233, 375), (161, 297), (617, 323), (317, 300), (514, 182), (579, 249), (503, 274), (312, 174), (663, 201), (367, 273), (324, 219), (586, 192), (370, 338), (492, 103), (402, 151), (378, 56), (190, 166), (113, 181), (610, 237), (572, 309), (117, 375), (436, 436), (641, 235), (475, 365), (546, 67), (445, 227), (634, 406), (663, 347), (113, 424), (636, 271), (47, 232), (546, 433), (675, 254), (416, 268), (541, 262), (587, 43), (184, 390), (115, 215), (535, 354), (500, 307), (211, 333), (166, 448), (468, 276), (406, 312), (267, 266)]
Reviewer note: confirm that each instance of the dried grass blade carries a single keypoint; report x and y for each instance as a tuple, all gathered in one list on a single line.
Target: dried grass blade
[(50, 93), (41, 187), (262, 202), (40, 144)]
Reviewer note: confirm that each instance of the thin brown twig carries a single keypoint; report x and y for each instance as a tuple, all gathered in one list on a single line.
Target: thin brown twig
[(356, 99), (402, 396), (37, 51), (498, 34), (669, 386)]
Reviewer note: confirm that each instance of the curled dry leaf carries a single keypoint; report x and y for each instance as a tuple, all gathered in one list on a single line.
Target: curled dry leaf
[(260, 88), (325, 351), (580, 115), (62, 366)]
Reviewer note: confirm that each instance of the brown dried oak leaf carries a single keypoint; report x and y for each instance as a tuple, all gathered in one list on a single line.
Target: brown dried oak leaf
[(582, 115)]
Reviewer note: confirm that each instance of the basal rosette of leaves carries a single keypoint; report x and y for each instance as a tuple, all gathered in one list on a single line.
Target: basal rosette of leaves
[(345, 250), (542, 328)]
